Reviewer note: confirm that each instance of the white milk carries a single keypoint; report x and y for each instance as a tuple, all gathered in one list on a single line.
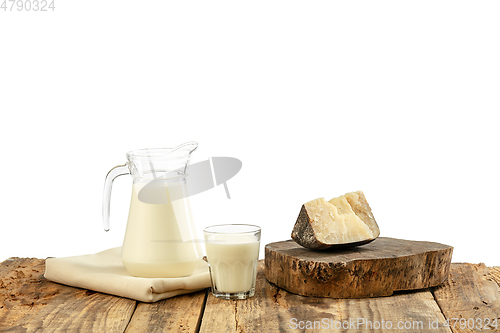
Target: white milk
[(233, 261), (158, 240)]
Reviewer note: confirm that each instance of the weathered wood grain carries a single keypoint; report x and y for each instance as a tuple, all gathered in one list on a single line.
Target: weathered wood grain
[(275, 310), (220, 315), (375, 269), (270, 310), (30, 303), (414, 311), (177, 314), (495, 273), (471, 293)]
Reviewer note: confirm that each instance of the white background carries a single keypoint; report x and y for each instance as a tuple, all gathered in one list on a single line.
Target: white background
[(316, 98)]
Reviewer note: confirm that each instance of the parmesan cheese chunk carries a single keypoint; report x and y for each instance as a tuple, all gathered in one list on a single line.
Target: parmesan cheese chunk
[(343, 221)]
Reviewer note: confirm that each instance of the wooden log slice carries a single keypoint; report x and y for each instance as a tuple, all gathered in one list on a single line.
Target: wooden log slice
[(375, 269)]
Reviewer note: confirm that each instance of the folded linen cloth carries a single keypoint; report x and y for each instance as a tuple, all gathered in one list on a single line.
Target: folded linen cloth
[(104, 272)]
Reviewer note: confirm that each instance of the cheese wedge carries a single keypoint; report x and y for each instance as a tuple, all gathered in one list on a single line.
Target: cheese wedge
[(341, 222)]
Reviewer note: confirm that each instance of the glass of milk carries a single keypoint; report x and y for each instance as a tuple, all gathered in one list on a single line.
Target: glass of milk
[(233, 254)]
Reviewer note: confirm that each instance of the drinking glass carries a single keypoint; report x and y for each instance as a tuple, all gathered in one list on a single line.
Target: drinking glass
[(233, 254)]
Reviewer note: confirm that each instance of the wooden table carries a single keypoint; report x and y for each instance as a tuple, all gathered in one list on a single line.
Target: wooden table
[(30, 303)]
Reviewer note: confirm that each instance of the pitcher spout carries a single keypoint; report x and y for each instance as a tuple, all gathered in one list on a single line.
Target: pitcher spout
[(149, 166)]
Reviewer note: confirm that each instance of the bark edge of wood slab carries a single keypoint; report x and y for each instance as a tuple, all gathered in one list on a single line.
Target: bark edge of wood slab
[(376, 269)]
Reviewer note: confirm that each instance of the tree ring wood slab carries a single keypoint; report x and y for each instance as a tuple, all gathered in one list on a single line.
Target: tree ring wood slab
[(375, 269)]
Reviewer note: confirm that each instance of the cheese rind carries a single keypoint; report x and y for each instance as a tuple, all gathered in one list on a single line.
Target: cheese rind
[(343, 221)]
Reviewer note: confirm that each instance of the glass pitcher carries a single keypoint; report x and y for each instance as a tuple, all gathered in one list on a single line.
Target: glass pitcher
[(159, 240)]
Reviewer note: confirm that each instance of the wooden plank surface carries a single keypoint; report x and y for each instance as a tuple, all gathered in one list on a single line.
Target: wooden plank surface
[(275, 310), (470, 298), (178, 314), (495, 274), (30, 303)]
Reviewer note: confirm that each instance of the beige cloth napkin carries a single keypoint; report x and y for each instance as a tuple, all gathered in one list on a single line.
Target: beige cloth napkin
[(104, 272)]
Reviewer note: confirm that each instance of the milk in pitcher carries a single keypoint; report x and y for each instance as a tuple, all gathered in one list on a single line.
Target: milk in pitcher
[(158, 239)]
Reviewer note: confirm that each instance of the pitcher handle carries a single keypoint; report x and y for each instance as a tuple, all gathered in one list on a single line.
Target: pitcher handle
[(119, 170)]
